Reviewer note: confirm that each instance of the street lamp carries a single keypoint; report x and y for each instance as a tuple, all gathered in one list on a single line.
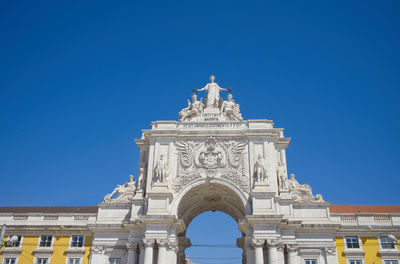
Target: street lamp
[(10, 242)]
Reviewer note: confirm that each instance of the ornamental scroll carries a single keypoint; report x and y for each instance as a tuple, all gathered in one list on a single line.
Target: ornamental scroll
[(212, 159)]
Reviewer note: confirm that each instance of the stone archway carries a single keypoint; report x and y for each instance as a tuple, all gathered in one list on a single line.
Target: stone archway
[(208, 196)]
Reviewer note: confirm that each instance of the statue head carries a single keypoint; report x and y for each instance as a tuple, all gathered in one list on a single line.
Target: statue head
[(212, 78), (292, 176), (259, 156), (230, 97), (131, 179)]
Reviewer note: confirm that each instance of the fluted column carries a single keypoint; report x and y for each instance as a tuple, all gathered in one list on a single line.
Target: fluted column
[(258, 245), (148, 251), (132, 252), (292, 253), (162, 251), (272, 251)]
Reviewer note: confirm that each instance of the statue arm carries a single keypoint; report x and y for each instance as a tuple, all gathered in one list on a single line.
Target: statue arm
[(202, 89)]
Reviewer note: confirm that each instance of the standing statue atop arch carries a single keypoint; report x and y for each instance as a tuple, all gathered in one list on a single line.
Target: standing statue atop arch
[(213, 89)]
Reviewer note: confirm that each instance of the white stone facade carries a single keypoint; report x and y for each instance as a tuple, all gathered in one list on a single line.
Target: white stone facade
[(212, 159)]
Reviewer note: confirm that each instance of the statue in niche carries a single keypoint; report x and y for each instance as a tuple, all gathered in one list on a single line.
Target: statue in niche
[(193, 109), (213, 89), (302, 192), (140, 179), (160, 170), (260, 171), (124, 192), (231, 109), (282, 177)]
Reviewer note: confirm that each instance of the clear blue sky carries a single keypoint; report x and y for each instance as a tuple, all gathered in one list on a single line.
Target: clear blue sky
[(80, 79)]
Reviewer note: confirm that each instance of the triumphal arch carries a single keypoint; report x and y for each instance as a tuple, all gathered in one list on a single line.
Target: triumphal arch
[(213, 159)]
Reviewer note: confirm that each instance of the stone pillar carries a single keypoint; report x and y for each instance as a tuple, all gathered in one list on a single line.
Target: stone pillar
[(183, 243), (172, 252), (258, 245), (330, 253), (280, 253), (141, 253), (292, 253), (162, 251), (148, 251), (97, 255), (272, 251), (132, 253)]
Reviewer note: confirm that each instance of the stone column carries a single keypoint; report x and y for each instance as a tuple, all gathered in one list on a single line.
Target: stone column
[(97, 255), (272, 251), (132, 253), (172, 252), (183, 243), (162, 251), (141, 253), (148, 251), (292, 253), (330, 253), (258, 245), (280, 253)]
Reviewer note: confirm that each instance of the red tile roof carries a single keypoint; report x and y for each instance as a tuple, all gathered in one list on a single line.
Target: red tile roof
[(50, 209), (349, 208)]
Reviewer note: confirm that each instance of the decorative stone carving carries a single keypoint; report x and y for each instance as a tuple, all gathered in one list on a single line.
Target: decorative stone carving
[(97, 250), (213, 89), (231, 109), (273, 242), (148, 242), (212, 159), (124, 192), (162, 242), (302, 192), (282, 177), (258, 242), (160, 170), (330, 250), (260, 170), (292, 247)]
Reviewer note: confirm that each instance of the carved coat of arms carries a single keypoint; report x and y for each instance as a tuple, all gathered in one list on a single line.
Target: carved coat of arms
[(212, 159)]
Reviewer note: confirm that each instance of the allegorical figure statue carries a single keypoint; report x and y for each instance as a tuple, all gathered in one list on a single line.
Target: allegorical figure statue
[(160, 170), (193, 109), (140, 179), (302, 192), (124, 192), (260, 171), (231, 109), (213, 89)]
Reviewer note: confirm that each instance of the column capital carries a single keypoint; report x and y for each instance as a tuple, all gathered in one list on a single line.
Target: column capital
[(162, 242), (173, 245), (97, 249), (258, 242), (273, 242), (330, 250), (132, 246), (148, 242), (280, 246), (292, 247)]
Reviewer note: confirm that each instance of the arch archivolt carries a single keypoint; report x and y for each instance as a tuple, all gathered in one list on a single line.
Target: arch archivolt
[(210, 195)]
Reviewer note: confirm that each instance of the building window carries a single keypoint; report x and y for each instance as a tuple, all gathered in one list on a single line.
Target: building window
[(9, 261), (45, 241), (114, 261), (355, 262), (74, 261), (16, 243), (310, 261), (391, 262), (42, 261), (386, 242), (77, 241), (352, 242)]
